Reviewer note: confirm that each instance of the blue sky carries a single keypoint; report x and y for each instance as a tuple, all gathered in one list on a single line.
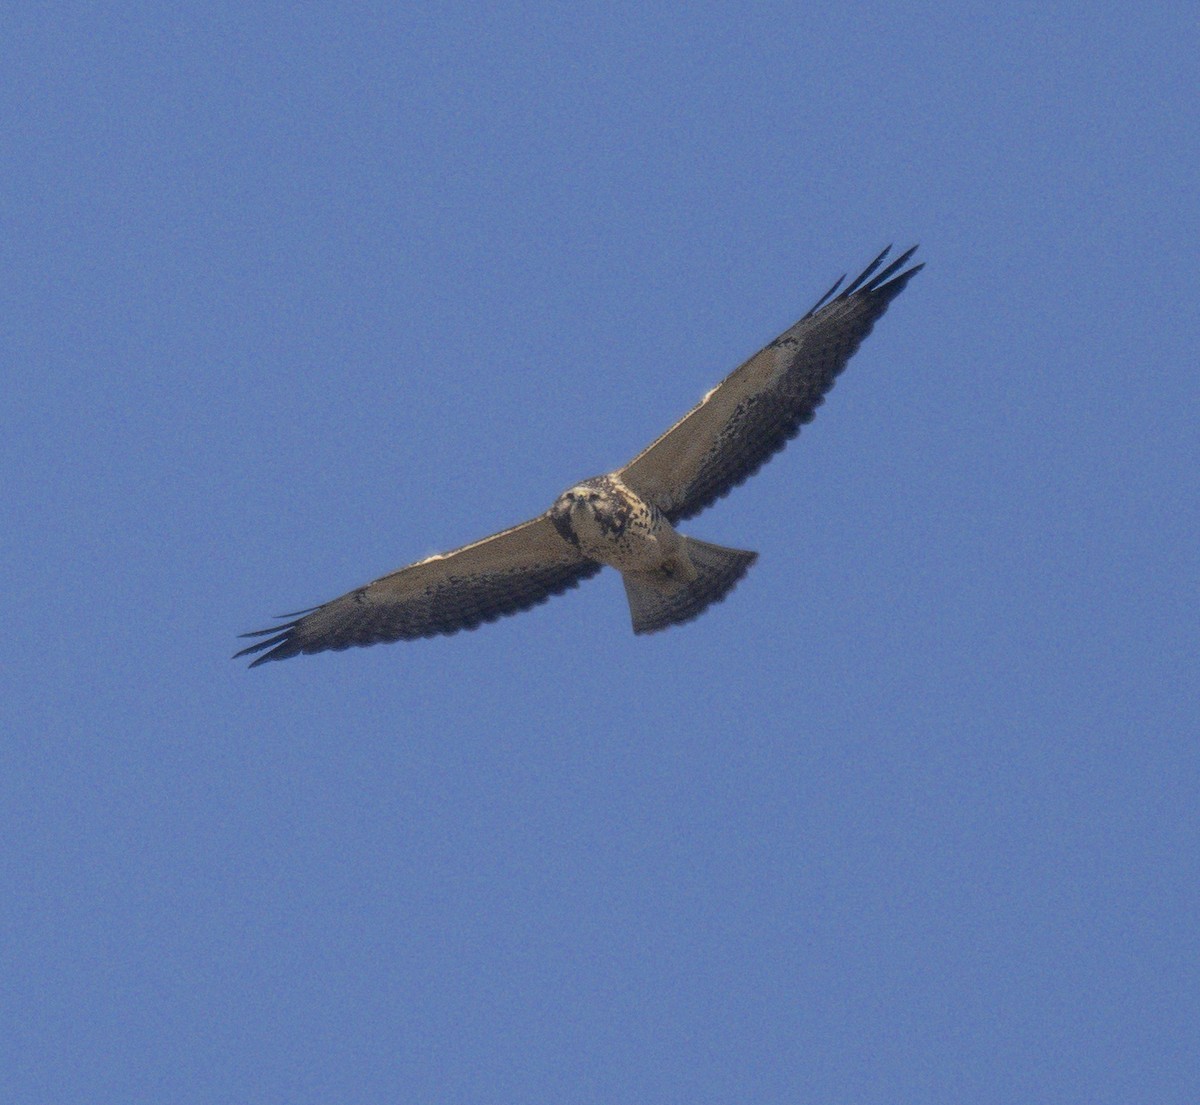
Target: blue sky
[(293, 297)]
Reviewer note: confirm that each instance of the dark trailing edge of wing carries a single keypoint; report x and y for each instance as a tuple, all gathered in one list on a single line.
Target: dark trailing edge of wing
[(366, 623), (778, 423)]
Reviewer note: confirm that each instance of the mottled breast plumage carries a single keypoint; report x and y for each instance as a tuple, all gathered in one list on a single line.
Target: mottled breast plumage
[(609, 523)]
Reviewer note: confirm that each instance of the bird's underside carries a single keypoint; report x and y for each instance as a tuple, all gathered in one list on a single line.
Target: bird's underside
[(626, 519)]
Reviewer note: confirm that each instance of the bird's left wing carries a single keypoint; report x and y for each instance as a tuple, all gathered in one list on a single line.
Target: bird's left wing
[(754, 411), (502, 574)]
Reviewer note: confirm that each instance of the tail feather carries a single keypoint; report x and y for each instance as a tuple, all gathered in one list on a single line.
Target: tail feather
[(657, 600)]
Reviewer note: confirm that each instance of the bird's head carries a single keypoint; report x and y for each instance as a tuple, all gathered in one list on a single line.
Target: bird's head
[(593, 499), (583, 496)]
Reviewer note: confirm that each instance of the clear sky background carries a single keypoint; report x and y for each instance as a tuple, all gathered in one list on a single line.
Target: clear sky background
[(294, 296)]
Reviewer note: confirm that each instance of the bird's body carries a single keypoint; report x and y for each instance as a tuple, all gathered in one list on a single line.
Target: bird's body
[(626, 519), (668, 578), (607, 522)]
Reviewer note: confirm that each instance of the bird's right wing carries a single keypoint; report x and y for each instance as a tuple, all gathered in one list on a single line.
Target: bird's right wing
[(502, 574)]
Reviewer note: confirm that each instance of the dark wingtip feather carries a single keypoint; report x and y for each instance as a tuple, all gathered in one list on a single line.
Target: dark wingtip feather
[(280, 653), (825, 298), (862, 276), (260, 633), (279, 639), (904, 278), (872, 282), (878, 281)]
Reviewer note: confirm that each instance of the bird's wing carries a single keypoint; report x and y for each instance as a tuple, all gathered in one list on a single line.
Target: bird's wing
[(502, 574), (755, 410)]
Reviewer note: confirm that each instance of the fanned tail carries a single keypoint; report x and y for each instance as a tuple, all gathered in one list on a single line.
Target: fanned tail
[(657, 601)]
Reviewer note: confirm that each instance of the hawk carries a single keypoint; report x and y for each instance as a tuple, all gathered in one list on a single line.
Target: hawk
[(626, 519)]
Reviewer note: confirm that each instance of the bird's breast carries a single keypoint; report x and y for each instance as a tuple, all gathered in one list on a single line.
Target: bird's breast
[(617, 528)]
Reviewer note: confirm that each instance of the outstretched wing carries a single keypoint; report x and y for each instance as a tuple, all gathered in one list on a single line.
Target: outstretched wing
[(502, 574), (755, 411)]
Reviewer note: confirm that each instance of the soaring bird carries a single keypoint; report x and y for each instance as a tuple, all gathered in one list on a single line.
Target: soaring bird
[(626, 519)]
